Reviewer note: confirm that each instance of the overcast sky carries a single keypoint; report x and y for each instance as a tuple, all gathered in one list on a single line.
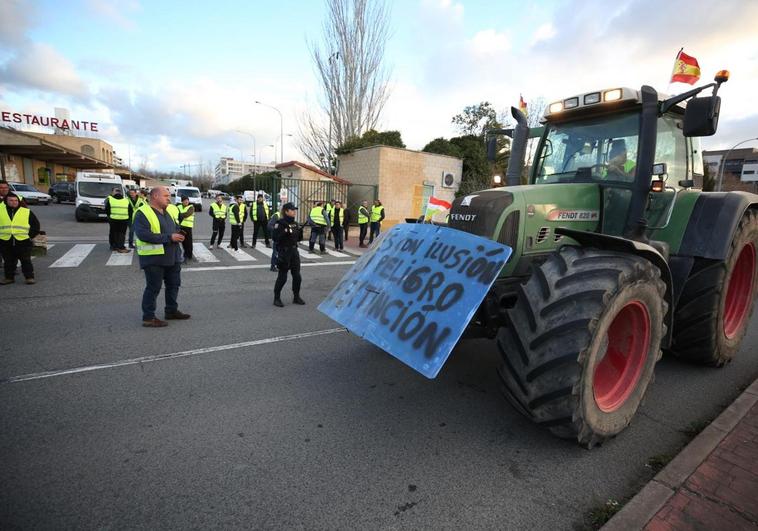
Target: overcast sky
[(170, 81)]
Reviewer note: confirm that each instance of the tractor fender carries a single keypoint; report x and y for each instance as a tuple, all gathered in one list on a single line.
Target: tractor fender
[(625, 245), (712, 223)]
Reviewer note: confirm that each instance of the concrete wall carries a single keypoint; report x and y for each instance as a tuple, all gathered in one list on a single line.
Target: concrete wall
[(401, 176)]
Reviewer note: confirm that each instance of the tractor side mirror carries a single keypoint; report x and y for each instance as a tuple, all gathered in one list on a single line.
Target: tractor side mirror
[(701, 117), (491, 148)]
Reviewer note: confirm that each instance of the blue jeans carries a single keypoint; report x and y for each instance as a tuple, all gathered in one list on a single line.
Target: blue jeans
[(155, 276)]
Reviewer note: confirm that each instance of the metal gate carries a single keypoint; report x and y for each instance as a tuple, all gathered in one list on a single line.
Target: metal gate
[(306, 193)]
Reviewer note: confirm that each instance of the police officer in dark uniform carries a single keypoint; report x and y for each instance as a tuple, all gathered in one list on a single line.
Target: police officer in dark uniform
[(286, 236)]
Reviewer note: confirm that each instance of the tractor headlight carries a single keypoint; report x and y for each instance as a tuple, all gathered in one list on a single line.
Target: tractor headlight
[(612, 95), (571, 103), (556, 107), (594, 97)]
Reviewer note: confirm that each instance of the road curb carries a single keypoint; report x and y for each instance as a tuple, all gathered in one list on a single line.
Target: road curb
[(646, 503)]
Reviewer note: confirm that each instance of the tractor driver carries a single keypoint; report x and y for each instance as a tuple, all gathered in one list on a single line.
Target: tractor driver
[(618, 164)]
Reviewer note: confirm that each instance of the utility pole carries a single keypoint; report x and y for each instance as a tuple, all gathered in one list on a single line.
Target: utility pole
[(332, 61)]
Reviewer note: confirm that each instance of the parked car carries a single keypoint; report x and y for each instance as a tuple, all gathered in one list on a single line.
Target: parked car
[(63, 192), (31, 195)]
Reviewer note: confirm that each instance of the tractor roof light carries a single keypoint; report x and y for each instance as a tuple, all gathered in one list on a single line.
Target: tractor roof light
[(593, 97), (571, 103), (612, 95), (556, 107), (722, 76)]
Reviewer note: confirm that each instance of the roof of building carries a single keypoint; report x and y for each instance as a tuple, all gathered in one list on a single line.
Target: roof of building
[(313, 169), (403, 149), (20, 144)]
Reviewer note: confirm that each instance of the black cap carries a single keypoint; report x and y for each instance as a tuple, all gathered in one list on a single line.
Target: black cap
[(289, 206)]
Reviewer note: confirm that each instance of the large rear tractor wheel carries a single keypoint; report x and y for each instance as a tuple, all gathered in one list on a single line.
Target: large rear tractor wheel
[(582, 342), (717, 301)]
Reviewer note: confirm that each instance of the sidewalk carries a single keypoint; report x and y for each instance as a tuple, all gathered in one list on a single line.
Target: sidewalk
[(711, 484)]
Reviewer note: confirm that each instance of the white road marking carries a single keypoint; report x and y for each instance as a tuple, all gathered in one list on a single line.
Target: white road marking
[(240, 255), (202, 254), (337, 253), (119, 259), (175, 355), (74, 256), (262, 266), (305, 253), (265, 250)]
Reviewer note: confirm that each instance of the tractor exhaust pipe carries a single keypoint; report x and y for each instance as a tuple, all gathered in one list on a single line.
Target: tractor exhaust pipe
[(518, 149)]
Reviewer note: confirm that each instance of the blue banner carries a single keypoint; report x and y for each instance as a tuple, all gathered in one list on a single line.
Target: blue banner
[(413, 293)]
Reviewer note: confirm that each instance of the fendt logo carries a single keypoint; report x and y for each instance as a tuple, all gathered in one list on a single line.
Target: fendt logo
[(463, 217)]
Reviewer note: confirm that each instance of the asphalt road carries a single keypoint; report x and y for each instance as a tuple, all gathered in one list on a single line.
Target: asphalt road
[(221, 428)]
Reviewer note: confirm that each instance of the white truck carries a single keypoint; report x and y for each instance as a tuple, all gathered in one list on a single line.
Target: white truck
[(91, 191), (192, 193)]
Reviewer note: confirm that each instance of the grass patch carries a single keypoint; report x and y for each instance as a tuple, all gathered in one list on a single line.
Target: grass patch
[(659, 462), (598, 516)]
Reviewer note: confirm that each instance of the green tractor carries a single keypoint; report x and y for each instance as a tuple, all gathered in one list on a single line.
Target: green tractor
[(616, 257)]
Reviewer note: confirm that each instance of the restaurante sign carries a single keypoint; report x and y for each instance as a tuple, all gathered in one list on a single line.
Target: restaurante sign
[(48, 121)]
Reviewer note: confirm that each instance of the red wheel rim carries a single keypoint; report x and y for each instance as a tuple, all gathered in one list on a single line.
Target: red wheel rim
[(628, 342), (739, 292)]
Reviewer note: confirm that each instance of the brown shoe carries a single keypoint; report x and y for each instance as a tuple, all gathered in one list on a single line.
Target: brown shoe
[(122, 251), (6, 281), (154, 323), (177, 315), (30, 281)]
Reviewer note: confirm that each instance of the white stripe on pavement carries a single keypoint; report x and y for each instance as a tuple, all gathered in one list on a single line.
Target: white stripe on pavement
[(201, 253), (74, 256), (337, 253), (265, 250), (161, 357), (262, 266), (119, 259), (305, 253), (240, 255)]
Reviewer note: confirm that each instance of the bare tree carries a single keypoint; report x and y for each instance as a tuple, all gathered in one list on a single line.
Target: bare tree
[(349, 66)]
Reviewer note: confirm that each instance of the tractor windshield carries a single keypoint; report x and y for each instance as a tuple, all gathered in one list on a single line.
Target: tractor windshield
[(597, 149)]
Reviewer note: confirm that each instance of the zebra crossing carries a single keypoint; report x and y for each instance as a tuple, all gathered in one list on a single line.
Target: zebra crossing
[(75, 254)]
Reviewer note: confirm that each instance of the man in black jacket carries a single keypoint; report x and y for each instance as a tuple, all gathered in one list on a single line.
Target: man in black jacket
[(286, 236), (18, 225)]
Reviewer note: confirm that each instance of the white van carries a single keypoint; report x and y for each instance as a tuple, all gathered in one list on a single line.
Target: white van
[(193, 193), (91, 191)]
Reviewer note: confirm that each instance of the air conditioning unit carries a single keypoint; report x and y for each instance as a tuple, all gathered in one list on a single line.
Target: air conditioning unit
[(448, 180)]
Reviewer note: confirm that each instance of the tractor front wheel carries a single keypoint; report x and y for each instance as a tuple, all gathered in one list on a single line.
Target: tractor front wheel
[(717, 301), (582, 342)]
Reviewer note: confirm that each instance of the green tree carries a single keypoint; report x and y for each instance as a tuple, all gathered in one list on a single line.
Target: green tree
[(476, 119), (477, 174), (442, 146), (371, 138)]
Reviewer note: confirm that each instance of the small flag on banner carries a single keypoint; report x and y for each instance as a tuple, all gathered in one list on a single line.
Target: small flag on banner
[(435, 206), (686, 69), (522, 105)]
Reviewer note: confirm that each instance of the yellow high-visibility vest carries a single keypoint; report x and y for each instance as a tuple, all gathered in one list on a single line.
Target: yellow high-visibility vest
[(362, 215), (144, 248), (219, 211), (189, 221), (119, 208), (18, 227), (317, 215), (254, 209), (341, 216), (173, 211), (376, 213)]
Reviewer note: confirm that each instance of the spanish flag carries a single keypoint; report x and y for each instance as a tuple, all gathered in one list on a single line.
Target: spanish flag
[(686, 69), (522, 104)]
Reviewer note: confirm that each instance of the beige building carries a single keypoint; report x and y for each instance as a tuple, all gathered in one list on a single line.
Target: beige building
[(405, 179), (41, 160)]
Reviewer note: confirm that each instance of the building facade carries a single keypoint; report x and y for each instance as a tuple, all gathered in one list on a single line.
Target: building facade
[(229, 169), (404, 179), (739, 169)]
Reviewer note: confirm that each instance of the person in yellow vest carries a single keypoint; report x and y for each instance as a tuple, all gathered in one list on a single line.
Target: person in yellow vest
[(135, 201), (377, 215), (236, 213), (260, 215), (329, 208), (160, 257), (243, 213), (173, 211), (618, 164), (338, 224), (318, 220), (218, 212), (119, 212), (186, 223), (18, 225), (364, 215)]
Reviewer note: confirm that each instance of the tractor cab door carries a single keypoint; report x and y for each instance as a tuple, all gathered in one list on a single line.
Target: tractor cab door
[(672, 149)]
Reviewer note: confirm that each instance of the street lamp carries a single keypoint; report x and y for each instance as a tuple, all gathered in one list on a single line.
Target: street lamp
[(723, 160), (242, 157), (281, 127), (272, 146)]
